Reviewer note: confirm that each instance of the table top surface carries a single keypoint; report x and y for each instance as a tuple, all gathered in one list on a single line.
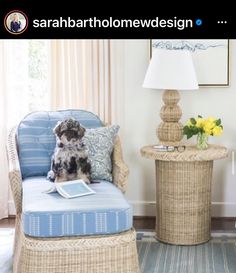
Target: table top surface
[(191, 153)]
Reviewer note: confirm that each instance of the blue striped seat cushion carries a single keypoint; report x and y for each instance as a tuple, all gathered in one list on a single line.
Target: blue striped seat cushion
[(36, 141), (51, 215)]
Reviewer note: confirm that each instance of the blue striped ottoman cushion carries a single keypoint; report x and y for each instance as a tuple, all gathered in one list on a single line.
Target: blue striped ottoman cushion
[(36, 140), (51, 215)]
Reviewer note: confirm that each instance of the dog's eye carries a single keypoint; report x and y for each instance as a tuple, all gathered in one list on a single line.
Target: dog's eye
[(60, 145)]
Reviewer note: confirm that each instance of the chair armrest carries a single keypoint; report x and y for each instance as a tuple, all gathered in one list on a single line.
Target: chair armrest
[(14, 170), (120, 170)]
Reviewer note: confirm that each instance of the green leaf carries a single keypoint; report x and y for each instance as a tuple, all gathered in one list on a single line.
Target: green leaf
[(195, 130), (188, 132), (193, 121), (218, 122), (199, 116), (185, 130)]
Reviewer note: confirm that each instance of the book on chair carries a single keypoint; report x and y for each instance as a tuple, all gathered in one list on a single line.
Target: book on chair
[(71, 189)]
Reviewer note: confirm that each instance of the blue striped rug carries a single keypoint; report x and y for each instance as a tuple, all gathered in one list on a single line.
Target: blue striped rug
[(216, 256)]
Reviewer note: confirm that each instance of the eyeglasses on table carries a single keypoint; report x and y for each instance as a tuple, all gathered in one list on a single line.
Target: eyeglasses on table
[(169, 148)]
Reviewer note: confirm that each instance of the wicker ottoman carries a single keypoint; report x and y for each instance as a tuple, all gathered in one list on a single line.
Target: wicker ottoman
[(184, 193)]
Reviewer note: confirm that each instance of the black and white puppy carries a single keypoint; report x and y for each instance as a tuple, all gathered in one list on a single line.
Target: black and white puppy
[(70, 159)]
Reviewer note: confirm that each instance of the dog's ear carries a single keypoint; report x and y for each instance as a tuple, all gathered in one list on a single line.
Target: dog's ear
[(81, 131), (57, 129)]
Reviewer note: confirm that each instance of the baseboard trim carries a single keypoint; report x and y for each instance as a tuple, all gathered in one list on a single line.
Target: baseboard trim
[(219, 225), (148, 208), (143, 208), (221, 209)]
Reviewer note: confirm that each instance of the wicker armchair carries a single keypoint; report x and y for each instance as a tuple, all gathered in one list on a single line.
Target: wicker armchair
[(96, 254)]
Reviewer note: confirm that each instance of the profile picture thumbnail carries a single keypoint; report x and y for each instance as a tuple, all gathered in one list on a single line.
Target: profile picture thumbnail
[(16, 22)]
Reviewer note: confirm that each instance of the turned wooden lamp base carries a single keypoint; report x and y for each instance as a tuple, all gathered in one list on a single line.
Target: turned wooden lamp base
[(170, 131)]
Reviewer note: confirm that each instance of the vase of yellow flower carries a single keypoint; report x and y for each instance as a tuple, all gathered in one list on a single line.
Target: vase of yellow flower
[(202, 141), (203, 128)]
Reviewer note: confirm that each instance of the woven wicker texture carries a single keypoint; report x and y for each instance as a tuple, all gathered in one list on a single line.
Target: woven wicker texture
[(170, 113), (14, 170), (171, 97), (183, 201), (183, 193), (120, 171), (191, 153), (171, 130), (104, 254), (116, 253)]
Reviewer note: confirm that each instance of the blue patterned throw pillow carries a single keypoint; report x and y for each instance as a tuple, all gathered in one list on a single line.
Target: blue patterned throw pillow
[(100, 142)]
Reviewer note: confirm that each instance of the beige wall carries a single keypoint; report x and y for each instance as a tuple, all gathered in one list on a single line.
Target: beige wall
[(140, 117)]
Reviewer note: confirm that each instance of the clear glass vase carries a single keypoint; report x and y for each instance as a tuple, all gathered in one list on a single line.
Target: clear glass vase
[(202, 140)]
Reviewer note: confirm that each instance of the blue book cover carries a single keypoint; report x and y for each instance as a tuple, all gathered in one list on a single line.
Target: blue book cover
[(71, 189)]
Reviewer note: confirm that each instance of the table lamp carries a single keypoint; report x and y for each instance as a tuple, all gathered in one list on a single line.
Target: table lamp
[(170, 70)]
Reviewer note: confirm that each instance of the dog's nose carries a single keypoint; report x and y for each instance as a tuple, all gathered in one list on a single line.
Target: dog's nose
[(69, 138)]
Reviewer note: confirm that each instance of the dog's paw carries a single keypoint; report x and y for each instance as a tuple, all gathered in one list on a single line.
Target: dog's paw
[(51, 175), (86, 180), (84, 177)]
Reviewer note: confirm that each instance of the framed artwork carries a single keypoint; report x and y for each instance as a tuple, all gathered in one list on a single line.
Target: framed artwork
[(210, 58)]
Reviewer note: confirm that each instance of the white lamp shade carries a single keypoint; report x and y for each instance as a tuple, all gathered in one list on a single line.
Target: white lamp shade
[(171, 69)]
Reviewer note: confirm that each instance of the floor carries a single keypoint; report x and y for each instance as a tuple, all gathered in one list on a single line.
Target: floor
[(141, 222)]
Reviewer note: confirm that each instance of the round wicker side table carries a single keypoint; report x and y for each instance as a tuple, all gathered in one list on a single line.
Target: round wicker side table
[(183, 193)]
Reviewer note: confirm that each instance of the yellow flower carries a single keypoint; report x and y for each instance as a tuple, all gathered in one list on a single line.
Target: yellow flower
[(208, 126), (199, 122), (211, 119), (217, 131), (208, 131)]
